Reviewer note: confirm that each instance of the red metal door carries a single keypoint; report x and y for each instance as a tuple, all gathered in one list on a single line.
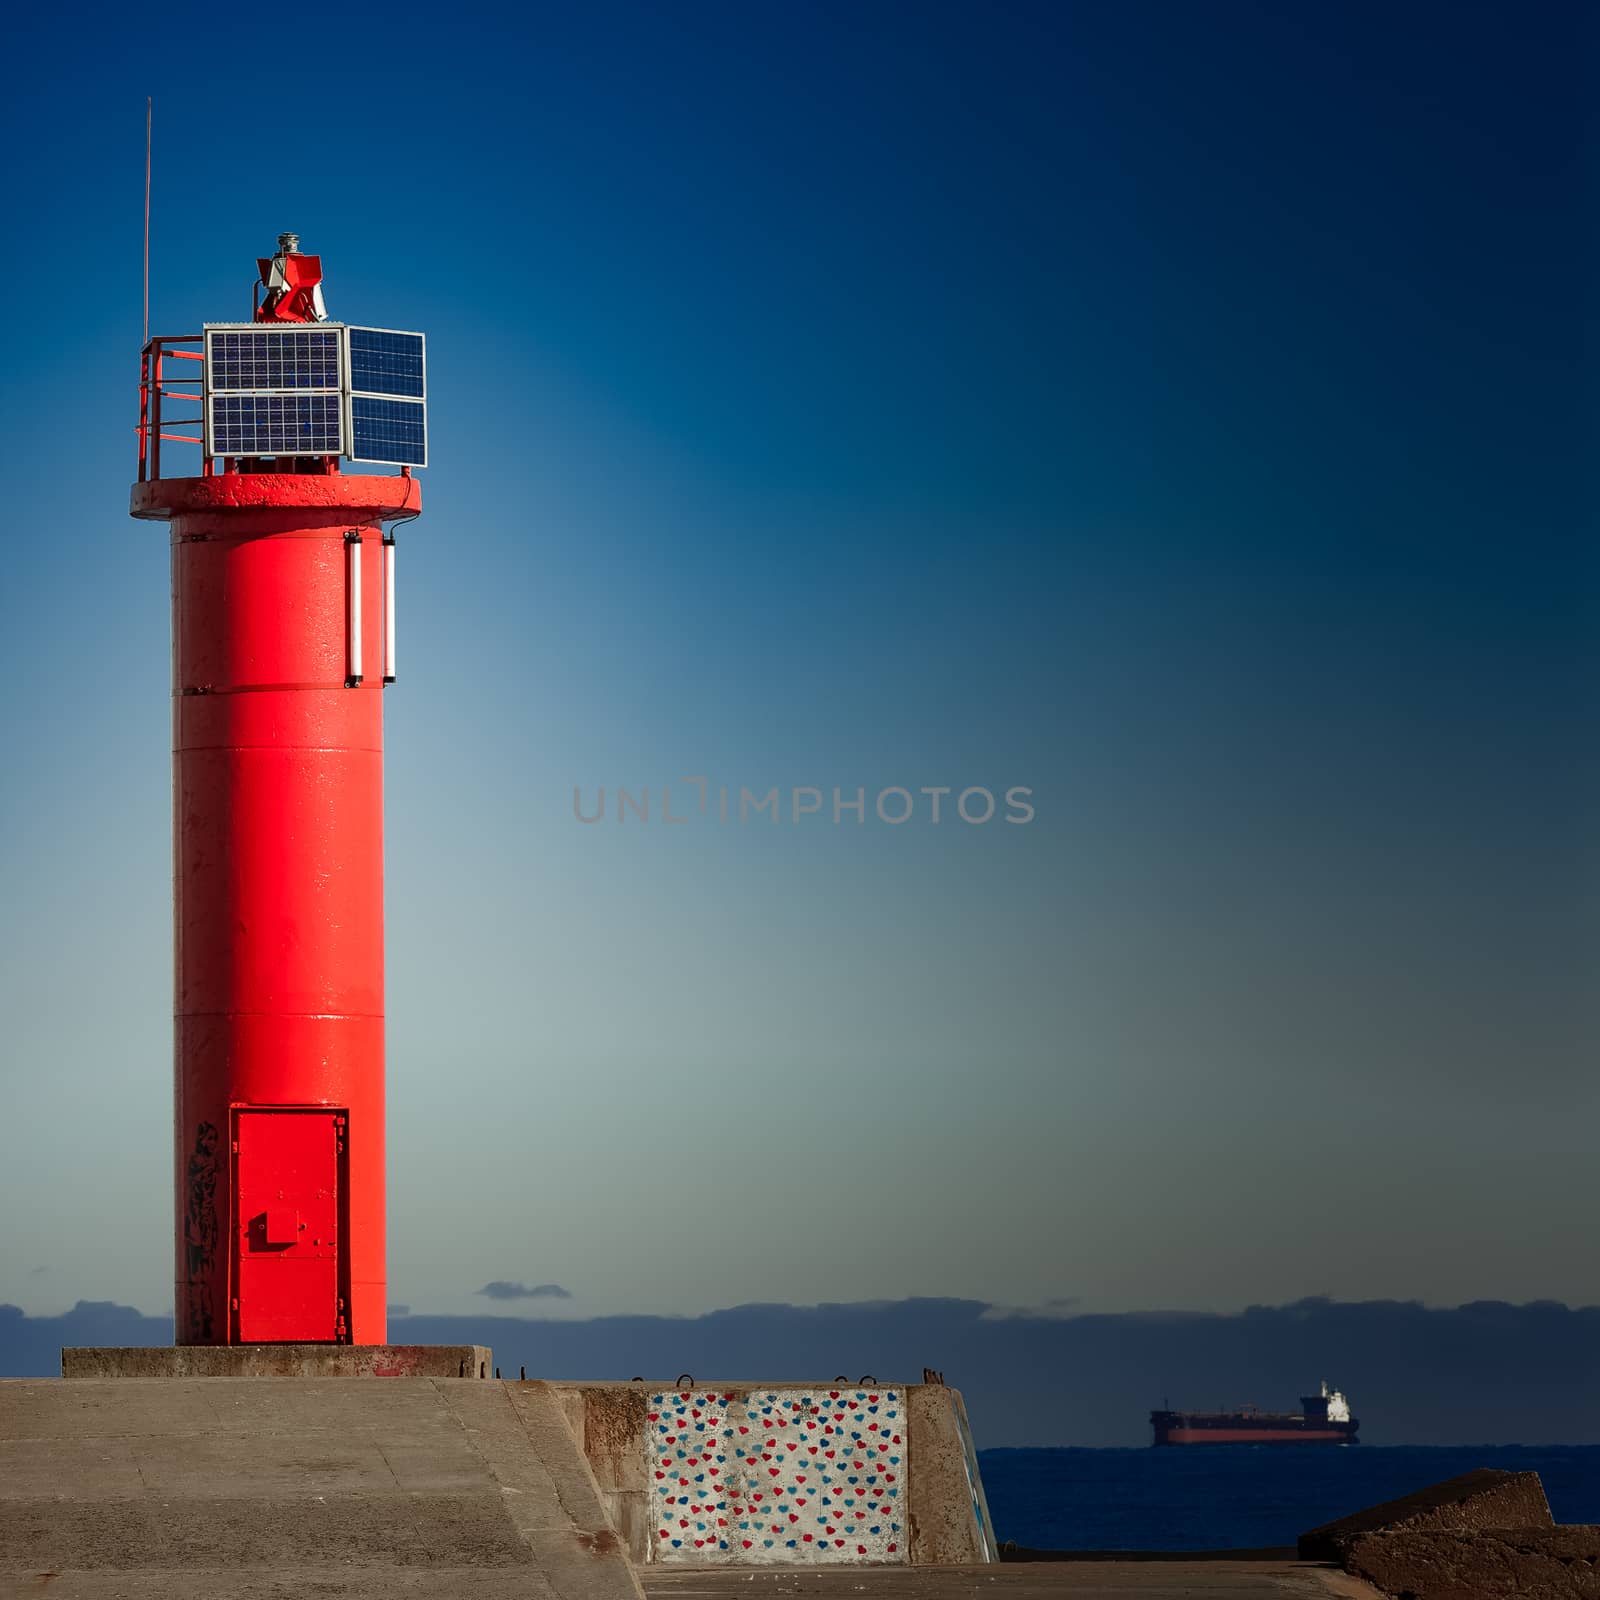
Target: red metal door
[(289, 1168)]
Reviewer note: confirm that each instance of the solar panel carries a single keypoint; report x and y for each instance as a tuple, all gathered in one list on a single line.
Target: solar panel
[(384, 362), (275, 425), (242, 360), (390, 431)]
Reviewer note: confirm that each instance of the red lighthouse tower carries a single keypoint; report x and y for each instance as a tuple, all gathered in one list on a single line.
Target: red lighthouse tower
[(282, 642)]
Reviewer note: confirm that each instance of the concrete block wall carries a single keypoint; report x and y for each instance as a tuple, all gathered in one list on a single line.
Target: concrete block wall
[(785, 1474)]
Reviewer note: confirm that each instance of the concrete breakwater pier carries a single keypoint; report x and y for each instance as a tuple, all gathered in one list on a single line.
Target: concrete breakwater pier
[(405, 1470), (358, 1473)]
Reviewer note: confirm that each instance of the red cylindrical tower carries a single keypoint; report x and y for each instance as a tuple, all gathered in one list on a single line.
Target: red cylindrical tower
[(279, 653)]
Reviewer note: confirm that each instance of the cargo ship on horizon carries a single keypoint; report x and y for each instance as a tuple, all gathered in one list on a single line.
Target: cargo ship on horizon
[(1322, 1419)]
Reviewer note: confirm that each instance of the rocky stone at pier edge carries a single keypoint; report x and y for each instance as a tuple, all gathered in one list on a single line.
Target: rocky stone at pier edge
[(1486, 1535), (1476, 1500)]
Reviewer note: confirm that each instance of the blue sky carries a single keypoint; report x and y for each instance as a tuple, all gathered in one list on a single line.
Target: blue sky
[(1176, 410)]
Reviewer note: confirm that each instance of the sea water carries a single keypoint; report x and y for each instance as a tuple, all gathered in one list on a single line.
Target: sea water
[(1213, 1497)]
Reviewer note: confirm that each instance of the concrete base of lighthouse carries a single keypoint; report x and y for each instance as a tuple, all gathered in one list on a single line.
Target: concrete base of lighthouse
[(278, 1361)]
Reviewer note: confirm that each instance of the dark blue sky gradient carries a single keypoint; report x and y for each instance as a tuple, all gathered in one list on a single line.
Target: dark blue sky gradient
[(1179, 410)]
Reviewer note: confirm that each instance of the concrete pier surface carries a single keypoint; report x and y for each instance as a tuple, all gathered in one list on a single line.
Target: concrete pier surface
[(193, 1489), (1045, 1580)]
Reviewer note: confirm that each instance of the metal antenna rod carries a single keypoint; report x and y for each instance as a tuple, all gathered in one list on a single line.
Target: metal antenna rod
[(148, 114)]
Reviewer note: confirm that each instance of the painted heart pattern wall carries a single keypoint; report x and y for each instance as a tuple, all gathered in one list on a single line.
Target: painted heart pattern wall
[(778, 1475)]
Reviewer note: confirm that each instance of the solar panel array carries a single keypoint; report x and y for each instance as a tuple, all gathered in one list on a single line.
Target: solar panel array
[(388, 389), (273, 391), (317, 389)]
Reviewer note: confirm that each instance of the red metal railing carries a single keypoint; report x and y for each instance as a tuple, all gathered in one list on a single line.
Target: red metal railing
[(155, 385)]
